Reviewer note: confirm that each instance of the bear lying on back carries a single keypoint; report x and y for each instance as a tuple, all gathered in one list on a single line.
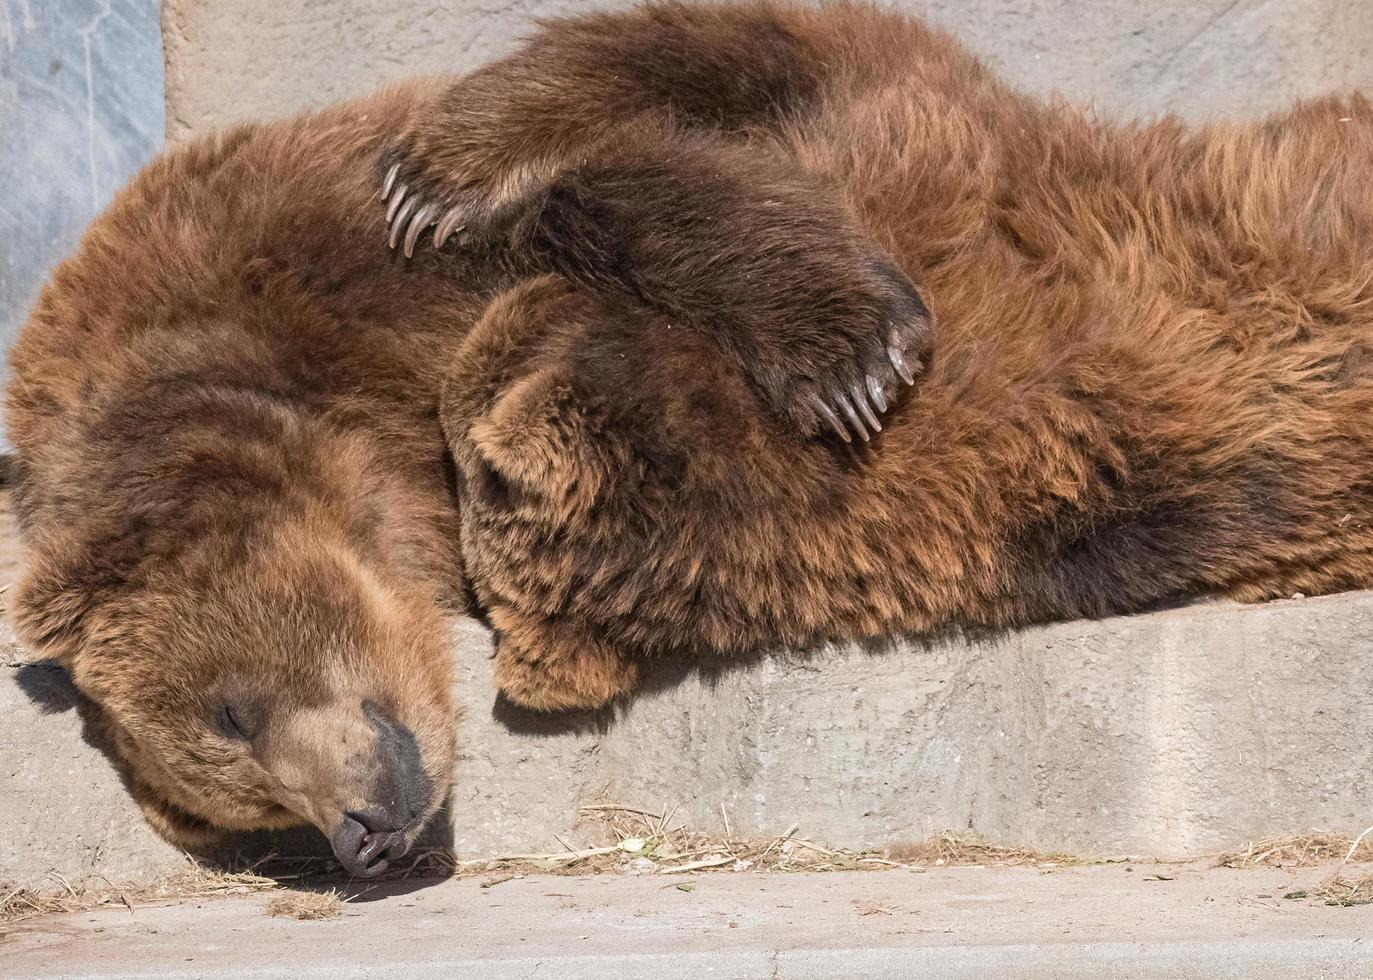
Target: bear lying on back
[(661, 284)]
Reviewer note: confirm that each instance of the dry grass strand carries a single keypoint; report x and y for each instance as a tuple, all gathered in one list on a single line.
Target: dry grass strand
[(18, 903), (1298, 851), (306, 906)]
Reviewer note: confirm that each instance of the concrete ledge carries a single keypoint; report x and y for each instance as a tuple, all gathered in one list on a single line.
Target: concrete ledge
[(1171, 733), (1204, 59), (1100, 922)]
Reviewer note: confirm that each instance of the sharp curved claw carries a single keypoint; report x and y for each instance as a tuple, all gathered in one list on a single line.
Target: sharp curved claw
[(847, 408), (879, 398), (899, 363), (417, 224), (825, 413), (860, 398), (390, 181), (448, 224), (399, 221), (394, 206)]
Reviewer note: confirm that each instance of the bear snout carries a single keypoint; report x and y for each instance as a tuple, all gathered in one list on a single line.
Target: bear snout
[(371, 835), (365, 846)]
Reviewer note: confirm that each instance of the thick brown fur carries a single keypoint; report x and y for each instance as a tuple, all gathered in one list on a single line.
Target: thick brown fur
[(1150, 377), (1146, 378), (234, 493)]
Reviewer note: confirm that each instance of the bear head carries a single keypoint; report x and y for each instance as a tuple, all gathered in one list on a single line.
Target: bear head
[(278, 683)]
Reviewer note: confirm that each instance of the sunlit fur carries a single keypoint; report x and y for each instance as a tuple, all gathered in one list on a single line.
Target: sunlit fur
[(1149, 380), (1151, 377)]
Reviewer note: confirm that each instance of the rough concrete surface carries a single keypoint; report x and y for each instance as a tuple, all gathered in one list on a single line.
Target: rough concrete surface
[(1085, 922), (1178, 732), (232, 59), (1171, 733)]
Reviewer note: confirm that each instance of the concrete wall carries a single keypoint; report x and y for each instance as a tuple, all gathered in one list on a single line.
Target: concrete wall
[(1178, 732), (229, 59)]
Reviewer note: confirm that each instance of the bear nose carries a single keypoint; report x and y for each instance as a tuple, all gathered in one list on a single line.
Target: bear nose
[(366, 843), (367, 839)]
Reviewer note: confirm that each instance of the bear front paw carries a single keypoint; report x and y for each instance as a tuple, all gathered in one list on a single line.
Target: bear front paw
[(550, 666), (416, 202), (871, 347)]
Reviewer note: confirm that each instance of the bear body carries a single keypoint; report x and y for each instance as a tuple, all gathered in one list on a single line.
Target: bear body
[(679, 284), (224, 414)]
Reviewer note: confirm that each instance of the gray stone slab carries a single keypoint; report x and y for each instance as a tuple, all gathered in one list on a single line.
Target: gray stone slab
[(81, 109), (1099, 923), (1176, 732), (1203, 59)]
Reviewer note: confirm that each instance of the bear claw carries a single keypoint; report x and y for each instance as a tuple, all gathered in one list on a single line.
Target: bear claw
[(448, 224), (875, 392), (860, 399), (869, 383), (898, 362), (398, 222), (851, 414), (408, 215), (394, 205), (857, 409), (420, 221), (826, 413)]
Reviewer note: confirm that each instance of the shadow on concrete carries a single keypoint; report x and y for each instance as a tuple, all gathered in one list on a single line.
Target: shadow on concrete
[(48, 685), (710, 669)]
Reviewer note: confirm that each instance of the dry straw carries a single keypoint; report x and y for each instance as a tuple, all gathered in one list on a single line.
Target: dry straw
[(628, 839)]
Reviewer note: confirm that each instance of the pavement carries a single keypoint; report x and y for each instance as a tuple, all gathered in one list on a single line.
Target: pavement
[(1102, 921)]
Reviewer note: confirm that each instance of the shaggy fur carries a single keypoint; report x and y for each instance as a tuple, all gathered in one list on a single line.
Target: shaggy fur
[(674, 245), (234, 493)]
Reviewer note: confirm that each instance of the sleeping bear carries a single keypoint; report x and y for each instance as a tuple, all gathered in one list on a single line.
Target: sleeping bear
[(684, 329)]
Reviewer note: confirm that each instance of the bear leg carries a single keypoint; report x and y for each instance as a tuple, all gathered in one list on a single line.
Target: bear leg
[(650, 155), (551, 665)]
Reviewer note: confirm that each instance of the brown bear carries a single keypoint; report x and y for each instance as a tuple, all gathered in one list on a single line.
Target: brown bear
[(649, 367)]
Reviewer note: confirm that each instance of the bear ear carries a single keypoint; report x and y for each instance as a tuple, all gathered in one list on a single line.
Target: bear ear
[(55, 599), (542, 447)]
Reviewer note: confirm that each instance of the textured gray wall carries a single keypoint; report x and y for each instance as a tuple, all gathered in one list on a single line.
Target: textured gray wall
[(81, 109), (228, 59)]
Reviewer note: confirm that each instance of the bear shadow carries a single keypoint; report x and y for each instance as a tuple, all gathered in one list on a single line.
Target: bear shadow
[(300, 857), (713, 671), (47, 684)]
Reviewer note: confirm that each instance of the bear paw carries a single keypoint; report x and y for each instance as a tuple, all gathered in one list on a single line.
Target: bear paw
[(873, 347), (548, 666), (824, 326), (415, 203)]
